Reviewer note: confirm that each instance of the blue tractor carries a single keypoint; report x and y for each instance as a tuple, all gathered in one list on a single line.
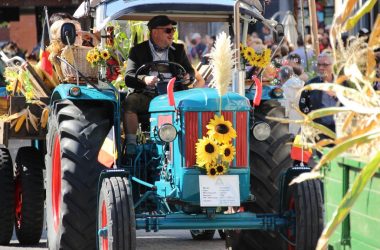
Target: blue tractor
[(91, 206)]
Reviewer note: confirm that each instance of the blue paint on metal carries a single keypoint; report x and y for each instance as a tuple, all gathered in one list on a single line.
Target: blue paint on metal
[(266, 93), (142, 182), (87, 93), (246, 220), (201, 99)]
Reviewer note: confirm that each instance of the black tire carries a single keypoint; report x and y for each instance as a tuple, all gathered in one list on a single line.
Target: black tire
[(7, 205), (305, 201), (75, 135), (30, 195), (268, 160), (116, 215), (202, 234)]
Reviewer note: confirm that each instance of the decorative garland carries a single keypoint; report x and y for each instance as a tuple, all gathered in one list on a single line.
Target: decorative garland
[(215, 151)]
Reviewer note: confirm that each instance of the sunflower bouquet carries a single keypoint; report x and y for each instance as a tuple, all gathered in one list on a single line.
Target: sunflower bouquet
[(215, 151), (98, 56), (260, 60)]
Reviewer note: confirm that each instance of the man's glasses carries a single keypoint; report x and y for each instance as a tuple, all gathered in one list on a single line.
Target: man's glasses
[(168, 30), (323, 64)]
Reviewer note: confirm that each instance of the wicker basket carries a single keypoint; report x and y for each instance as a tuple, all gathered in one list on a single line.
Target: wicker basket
[(82, 64)]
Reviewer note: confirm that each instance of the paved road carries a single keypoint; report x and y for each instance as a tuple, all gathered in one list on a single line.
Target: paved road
[(168, 239)]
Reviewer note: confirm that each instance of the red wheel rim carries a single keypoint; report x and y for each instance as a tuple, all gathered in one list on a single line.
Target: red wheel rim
[(18, 200), (104, 224), (56, 182), (291, 231)]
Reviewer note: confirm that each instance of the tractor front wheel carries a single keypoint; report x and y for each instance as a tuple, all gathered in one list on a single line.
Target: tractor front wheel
[(116, 215), (29, 195), (304, 206), (7, 204)]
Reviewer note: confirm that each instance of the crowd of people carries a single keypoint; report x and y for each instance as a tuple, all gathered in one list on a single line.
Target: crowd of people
[(296, 64)]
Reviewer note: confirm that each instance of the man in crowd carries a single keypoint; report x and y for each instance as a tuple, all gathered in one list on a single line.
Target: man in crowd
[(315, 99), (159, 47), (305, 54)]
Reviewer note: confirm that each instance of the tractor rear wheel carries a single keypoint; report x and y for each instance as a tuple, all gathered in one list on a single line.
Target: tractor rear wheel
[(7, 205), (116, 215), (202, 234), (304, 201), (268, 160), (76, 133), (29, 195)]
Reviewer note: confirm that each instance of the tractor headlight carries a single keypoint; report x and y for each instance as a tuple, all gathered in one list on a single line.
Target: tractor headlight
[(167, 132), (75, 91), (277, 93), (261, 131)]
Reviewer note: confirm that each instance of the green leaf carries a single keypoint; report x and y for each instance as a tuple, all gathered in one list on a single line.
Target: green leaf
[(325, 130), (318, 113), (345, 145)]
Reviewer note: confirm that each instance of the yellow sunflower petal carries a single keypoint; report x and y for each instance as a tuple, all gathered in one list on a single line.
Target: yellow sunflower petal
[(9, 88), (221, 130), (211, 170), (207, 151), (221, 169), (105, 54), (228, 152), (249, 53), (95, 58)]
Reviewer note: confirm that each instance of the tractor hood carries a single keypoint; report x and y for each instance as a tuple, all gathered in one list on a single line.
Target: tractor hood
[(205, 99)]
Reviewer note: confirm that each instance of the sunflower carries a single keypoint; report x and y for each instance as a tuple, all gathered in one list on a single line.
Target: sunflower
[(221, 169), (89, 57), (211, 170), (249, 53), (95, 57), (207, 151), (242, 49), (9, 88), (105, 54), (221, 130), (228, 152)]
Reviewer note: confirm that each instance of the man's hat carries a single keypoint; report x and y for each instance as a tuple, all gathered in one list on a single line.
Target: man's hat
[(160, 21)]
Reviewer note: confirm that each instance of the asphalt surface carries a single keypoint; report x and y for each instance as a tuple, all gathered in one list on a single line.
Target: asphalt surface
[(166, 239)]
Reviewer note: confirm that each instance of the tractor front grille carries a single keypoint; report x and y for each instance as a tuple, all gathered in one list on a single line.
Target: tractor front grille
[(195, 128)]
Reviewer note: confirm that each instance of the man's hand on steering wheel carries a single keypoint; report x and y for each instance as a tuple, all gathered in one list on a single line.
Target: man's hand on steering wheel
[(183, 79), (186, 79), (151, 80)]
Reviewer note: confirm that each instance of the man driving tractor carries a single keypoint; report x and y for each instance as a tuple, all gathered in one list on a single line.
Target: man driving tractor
[(159, 47)]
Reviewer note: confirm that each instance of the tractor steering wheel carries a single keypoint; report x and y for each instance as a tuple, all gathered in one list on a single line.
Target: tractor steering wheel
[(177, 71)]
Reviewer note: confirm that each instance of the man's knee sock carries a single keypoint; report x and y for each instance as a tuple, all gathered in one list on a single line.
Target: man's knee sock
[(131, 139)]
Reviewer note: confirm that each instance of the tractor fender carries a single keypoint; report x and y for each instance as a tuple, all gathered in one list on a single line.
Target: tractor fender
[(62, 92), (267, 93)]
